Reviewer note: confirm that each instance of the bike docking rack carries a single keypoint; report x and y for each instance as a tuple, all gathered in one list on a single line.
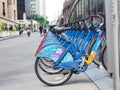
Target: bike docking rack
[(70, 48)]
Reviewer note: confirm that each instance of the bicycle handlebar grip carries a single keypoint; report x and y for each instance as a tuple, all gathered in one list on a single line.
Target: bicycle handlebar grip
[(62, 28)]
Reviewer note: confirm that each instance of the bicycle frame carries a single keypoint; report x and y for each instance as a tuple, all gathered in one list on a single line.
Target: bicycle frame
[(72, 35), (82, 51), (74, 65), (75, 51), (96, 47)]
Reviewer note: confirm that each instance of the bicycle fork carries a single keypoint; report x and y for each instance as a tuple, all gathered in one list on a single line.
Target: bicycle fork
[(95, 49)]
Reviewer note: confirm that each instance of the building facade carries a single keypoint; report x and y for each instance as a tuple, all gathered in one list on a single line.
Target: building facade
[(8, 11), (80, 9), (20, 9), (35, 7), (27, 8), (42, 8), (23, 8), (38, 7), (67, 7)]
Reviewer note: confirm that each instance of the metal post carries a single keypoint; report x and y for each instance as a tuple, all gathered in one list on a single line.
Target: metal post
[(112, 16), (109, 30), (116, 52)]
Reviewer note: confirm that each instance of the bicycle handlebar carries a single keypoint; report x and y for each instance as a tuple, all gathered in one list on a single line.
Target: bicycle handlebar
[(101, 16)]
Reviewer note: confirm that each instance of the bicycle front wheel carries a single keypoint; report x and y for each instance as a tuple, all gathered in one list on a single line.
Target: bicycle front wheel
[(47, 64), (51, 79)]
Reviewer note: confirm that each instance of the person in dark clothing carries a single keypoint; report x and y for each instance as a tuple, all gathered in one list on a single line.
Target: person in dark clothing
[(45, 31), (28, 30), (6, 28), (41, 29), (21, 31), (11, 27)]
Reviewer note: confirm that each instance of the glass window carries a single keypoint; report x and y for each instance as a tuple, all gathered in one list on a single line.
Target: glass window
[(101, 6), (33, 0), (86, 8), (95, 7), (74, 14), (33, 8), (83, 8), (4, 9), (71, 18), (80, 9), (77, 12), (90, 5), (33, 12), (33, 5)]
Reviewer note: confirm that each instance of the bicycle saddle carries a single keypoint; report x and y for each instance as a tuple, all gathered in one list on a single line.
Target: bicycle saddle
[(60, 30)]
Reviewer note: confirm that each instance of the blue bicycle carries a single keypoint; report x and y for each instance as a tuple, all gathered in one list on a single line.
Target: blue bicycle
[(63, 62)]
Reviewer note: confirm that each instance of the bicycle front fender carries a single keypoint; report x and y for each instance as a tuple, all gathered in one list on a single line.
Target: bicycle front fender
[(54, 52)]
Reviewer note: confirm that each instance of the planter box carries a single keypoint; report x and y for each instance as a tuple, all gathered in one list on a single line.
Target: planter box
[(8, 33), (3, 34)]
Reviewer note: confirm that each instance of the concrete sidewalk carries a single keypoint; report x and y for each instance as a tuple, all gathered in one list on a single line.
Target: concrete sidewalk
[(92, 79), (100, 77)]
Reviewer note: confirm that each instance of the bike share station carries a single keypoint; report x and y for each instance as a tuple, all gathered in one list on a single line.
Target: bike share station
[(59, 54), (100, 77)]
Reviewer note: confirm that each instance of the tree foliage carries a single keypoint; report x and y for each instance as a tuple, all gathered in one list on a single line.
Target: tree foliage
[(2, 25), (38, 18), (17, 26)]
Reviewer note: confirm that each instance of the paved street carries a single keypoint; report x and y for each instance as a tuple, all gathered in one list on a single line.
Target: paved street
[(17, 67)]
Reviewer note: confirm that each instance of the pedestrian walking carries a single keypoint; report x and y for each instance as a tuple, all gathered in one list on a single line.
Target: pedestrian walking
[(11, 27), (44, 30), (21, 31), (41, 29), (6, 28), (28, 30)]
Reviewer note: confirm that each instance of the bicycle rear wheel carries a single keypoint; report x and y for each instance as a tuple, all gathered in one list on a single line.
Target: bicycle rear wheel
[(104, 58), (51, 79)]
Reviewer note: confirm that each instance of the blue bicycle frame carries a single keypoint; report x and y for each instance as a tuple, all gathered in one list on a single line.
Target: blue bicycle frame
[(74, 64)]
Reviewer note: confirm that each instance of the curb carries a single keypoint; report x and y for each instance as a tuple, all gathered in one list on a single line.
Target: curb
[(8, 37)]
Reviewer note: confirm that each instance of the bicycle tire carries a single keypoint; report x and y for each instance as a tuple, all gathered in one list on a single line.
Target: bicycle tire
[(47, 66), (51, 82), (103, 60)]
